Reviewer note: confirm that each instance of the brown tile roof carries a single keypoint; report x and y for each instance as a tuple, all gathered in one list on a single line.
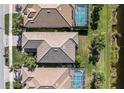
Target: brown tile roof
[(30, 84), (67, 16), (49, 5), (54, 39), (46, 76)]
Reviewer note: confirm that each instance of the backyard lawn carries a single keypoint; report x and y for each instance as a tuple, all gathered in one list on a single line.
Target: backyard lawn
[(103, 66), (83, 51), (105, 27)]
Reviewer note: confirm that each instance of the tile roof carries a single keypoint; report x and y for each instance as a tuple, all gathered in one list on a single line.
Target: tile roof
[(54, 39), (49, 5), (67, 16), (65, 43), (45, 76)]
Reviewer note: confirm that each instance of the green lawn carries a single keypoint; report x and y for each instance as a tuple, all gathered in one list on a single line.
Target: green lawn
[(17, 56), (104, 26), (83, 51), (16, 21), (6, 20), (103, 65)]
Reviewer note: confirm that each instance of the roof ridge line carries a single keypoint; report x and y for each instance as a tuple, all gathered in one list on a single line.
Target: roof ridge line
[(64, 18), (46, 51), (59, 77)]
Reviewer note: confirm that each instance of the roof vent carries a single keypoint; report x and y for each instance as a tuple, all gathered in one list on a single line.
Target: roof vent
[(48, 11), (60, 8), (56, 50)]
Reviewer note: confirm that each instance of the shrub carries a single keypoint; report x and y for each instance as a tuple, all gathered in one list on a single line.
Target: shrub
[(97, 81), (95, 16), (7, 85), (16, 22), (97, 44), (17, 85)]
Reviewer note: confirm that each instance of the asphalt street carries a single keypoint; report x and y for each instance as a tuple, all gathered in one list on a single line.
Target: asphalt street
[(4, 71), (1, 48)]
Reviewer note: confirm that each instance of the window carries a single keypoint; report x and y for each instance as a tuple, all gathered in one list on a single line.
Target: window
[(31, 22), (46, 87), (31, 88), (29, 16), (72, 14)]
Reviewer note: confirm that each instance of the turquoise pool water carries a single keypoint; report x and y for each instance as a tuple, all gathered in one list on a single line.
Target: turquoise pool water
[(81, 14), (77, 80)]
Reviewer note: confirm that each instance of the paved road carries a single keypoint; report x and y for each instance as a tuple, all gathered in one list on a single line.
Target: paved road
[(6, 8), (6, 42), (1, 49), (4, 71)]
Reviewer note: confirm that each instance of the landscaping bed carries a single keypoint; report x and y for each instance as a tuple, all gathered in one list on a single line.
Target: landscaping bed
[(17, 21)]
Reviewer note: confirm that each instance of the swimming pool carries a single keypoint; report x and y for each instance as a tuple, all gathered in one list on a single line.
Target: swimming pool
[(77, 79), (81, 14)]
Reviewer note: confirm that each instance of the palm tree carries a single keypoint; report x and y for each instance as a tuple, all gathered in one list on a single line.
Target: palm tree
[(18, 8), (94, 18), (78, 61), (16, 68), (97, 44), (100, 42), (97, 81), (29, 62)]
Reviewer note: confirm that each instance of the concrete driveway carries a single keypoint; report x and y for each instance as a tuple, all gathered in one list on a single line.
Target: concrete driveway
[(14, 38), (6, 74)]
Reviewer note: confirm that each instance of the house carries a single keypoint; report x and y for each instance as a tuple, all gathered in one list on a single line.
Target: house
[(46, 78), (51, 47), (48, 15)]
